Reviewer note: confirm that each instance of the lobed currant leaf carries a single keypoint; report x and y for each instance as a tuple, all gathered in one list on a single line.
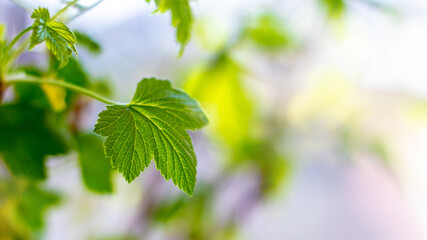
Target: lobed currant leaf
[(153, 125)]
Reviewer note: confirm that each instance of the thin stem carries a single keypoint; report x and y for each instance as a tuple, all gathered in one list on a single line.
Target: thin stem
[(16, 39), (64, 9), (16, 54), (84, 10), (35, 80)]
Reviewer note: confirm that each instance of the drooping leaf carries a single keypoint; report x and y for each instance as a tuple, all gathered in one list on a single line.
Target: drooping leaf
[(154, 124), (182, 19), (87, 42), (27, 137), (96, 168), (59, 39)]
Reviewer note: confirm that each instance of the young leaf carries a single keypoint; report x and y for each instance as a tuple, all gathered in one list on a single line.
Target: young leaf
[(182, 19), (154, 124), (26, 138), (96, 169), (60, 40)]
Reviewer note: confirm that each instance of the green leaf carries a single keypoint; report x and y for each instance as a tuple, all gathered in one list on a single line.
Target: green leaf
[(222, 91), (60, 40), (96, 169), (4, 53), (2, 32), (27, 137), (334, 8), (33, 204), (154, 124), (86, 41), (74, 73), (268, 32), (182, 19)]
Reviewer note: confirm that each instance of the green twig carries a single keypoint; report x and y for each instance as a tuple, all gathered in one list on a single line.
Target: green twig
[(16, 54), (16, 39), (34, 80), (84, 10), (64, 9)]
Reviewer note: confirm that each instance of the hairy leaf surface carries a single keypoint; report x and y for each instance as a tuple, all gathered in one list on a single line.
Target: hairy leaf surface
[(153, 125), (60, 40)]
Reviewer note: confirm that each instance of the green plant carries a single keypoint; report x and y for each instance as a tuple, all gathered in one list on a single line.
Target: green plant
[(152, 126)]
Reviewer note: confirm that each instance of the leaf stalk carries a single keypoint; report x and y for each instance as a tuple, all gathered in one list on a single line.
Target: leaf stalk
[(34, 80)]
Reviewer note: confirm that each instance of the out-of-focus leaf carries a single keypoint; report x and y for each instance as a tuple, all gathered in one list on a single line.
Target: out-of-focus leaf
[(154, 124), (268, 32), (23, 207), (221, 91), (59, 38), (32, 94), (27, 137), (87, 42), (272, 166), (56, 96), (73, 73), (334, 8), (182, 19), (33, 205), (194, 210), (193, 218), (95, 167), (2, 32), (102, 86), (4, 54)]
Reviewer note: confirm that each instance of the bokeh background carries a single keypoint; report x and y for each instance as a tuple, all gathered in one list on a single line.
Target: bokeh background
[(318, 120)]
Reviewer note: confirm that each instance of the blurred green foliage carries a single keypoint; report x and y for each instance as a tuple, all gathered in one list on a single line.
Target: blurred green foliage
[(95, 167), (32, 128), (47, 121), (22, 209), (334, 8), (268, 31), (27, 136), (86, 41), (220, 88)]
